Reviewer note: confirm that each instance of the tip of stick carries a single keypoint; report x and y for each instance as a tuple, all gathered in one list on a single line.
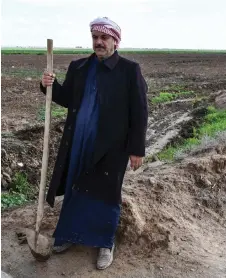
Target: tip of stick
[(49, 45)]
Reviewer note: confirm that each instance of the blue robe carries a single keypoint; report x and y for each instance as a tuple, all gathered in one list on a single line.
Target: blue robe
[(84, 219)]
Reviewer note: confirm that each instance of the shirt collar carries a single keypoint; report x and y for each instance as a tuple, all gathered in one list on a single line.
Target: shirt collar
[(110, 62)]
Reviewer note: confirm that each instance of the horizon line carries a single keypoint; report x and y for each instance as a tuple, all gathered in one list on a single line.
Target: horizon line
[(90, 48)]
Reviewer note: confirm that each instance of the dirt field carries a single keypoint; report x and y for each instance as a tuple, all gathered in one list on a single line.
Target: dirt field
[(173, 222)]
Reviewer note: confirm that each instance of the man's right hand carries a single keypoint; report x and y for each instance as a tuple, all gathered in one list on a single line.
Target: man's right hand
[(48, 79)]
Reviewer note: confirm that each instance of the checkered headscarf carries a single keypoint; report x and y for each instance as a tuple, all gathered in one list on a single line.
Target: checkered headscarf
[(107, 26)]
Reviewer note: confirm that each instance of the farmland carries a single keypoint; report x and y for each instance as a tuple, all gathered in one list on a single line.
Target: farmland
[(74, 51), (173, 220)]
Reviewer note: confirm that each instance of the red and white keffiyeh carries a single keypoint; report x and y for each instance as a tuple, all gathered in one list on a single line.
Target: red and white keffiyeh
[(107, 26)]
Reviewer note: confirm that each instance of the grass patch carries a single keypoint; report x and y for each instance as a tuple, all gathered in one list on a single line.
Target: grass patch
[(176, 87), (169, 96), (198, 99), (19, 193), (185, 93), (163, 97), (206, 142), (214, 122), (56, 112), (24, 73)]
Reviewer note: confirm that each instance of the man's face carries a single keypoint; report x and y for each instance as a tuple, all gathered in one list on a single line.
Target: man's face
[(103, 44)]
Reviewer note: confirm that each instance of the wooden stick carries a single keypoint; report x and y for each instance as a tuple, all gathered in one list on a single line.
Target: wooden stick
[(45, 157)]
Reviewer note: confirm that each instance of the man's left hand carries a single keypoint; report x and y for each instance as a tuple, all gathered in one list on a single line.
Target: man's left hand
[(135, 162)]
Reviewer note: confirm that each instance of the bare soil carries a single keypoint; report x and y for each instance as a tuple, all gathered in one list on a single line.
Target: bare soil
[(173, 222)]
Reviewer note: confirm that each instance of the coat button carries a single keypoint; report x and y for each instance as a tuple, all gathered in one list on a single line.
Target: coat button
[(106, 173), (74, 110), (69, 127), (66, 143)]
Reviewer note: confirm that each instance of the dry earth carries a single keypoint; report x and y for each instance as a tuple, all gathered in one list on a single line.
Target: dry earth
[(173, 222)]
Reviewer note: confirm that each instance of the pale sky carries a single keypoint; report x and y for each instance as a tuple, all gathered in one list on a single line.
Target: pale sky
[(187, 24)]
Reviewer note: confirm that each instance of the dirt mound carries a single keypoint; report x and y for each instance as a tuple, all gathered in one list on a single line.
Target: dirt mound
[(162, 207), (173, 213), (22, 152)]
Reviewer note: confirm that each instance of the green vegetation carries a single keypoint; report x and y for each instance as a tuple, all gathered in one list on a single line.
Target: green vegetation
[(214, 122), (169, 96), (163, 97), (175, 87), (42, 51), (19, 193), (198, 99), (22, 73), (56, 112), (25, 73)]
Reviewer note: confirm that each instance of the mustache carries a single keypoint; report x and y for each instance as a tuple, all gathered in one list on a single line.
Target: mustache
[(100, 46)]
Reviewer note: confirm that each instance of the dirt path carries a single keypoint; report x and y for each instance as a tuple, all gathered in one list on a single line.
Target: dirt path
[(80, 261)]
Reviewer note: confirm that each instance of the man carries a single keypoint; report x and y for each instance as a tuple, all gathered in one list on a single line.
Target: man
[(106, 126)]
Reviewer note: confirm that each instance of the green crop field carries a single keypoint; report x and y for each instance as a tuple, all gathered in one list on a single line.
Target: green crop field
[(42, 51)]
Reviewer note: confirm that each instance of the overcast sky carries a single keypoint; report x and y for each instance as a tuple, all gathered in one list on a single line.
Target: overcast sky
[(195, 24)]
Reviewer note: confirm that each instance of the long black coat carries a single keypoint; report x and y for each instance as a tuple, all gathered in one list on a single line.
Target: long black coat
[(121, 128)]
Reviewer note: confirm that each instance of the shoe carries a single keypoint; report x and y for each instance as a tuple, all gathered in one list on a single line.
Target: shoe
[(61, 248), (105, 257)]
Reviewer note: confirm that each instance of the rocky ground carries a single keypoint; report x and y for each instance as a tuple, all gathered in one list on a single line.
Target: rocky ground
[(173, 222)]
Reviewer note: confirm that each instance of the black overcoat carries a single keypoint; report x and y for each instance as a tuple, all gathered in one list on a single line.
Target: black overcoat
[(121, 129)]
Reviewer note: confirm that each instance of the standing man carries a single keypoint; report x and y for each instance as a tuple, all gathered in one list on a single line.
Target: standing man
[(105, 128)]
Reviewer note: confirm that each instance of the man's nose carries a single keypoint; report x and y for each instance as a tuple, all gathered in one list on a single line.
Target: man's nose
[(98, 41)]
